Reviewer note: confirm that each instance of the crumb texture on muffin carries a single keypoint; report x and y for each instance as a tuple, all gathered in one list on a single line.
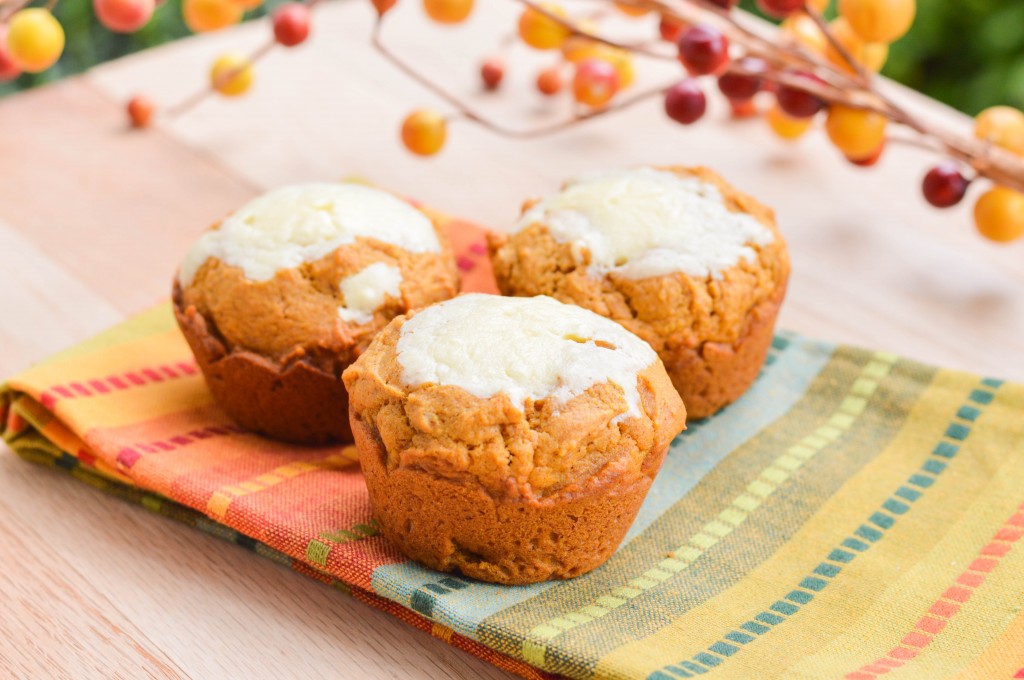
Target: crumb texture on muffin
[(698, 287), (316, 269), (512, 439), (525, 397), (280, 296)]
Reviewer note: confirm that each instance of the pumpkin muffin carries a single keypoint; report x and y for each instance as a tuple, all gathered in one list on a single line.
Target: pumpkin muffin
[(280, 296), (510, 439), (676, 255)]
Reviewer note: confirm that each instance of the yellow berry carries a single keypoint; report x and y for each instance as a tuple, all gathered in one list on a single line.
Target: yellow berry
[(541, 32), (424, 132), (870, 55), (448, 11), (803, 29), (35, 39), (819, 6), (999, 214), (785, 126), (855, 132), (202, 16), (231, 74), (1002, 126), (879, 21)]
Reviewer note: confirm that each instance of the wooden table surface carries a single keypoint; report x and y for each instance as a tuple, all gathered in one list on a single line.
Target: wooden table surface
[(94, 219)]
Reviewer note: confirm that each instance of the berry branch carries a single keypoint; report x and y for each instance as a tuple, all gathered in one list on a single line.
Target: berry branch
[(820, 67), (809, 71)]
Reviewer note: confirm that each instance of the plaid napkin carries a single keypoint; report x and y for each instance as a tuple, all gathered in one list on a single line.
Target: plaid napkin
[(855, 515)]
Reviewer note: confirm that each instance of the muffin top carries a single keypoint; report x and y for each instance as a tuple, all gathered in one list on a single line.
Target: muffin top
[(525, 396), (315, 270), (645, 222), (675, 254)]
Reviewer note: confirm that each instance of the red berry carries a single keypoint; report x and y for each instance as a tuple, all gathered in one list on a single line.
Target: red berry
[(779, 8), (944, 185), (140, 111), (123, 16), (703, 49), (797, 102), (743, 85), (491, 72), (9, 69), (291, 24), (725, 4), (685, 102), (671, 28)]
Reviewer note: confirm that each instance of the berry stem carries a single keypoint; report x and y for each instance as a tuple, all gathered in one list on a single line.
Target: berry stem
[(465, 112)]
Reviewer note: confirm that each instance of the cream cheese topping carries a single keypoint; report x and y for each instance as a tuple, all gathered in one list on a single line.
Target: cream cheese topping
[(528, 348), (290, 226), (364, 292), (645, 222)]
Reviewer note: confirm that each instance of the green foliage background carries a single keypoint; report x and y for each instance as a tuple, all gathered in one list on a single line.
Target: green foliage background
[(967, 53)]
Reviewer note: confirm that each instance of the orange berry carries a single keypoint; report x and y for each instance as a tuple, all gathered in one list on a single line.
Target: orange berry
[(999, 214), (248, 4), (231, 74), (448, 11), (803, 29), (140, 111), (671, 28), (576, 48), (870, 55), (855, 132), (424, 132), (631, 10), (549, 81), (870, 159), (382, 6), (35, 39), (1002, 126), (785, 126), (879, 21), (541, 32), (202, 16), (743, 108), (595, 83)]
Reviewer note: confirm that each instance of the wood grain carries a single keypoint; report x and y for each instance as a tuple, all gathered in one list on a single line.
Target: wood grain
[(93, 220)]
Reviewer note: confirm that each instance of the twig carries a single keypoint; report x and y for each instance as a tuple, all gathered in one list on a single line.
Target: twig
[(197, 97), (466, 112)]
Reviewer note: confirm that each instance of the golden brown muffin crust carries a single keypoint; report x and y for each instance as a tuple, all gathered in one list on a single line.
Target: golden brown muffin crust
[(272, 351), (525, 454), (498, 493), (298, 308), (676, 313)]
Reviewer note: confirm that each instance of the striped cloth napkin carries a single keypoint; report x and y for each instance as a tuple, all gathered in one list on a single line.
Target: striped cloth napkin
[(854, 515)]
